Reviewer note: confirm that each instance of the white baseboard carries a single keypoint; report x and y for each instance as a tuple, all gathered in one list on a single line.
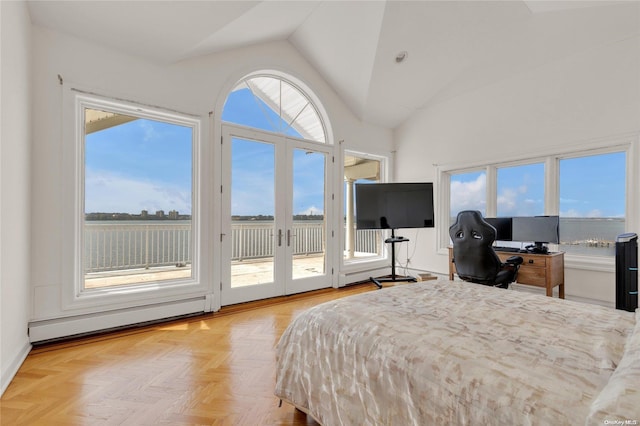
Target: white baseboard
[(355, 277), (64, 327), (13, 367), (540, 290)]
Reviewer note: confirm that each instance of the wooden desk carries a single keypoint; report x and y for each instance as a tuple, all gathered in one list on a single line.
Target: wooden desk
[(539, 270)]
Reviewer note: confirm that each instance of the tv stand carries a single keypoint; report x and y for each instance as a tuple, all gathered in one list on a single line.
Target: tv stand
[(393, 240)]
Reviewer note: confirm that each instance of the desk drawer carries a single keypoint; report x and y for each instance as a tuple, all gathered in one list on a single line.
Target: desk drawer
[(536, 261), (532, 276), (529, 260)]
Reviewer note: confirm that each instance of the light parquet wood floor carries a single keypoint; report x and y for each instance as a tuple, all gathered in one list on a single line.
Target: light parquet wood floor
[(216, 369)]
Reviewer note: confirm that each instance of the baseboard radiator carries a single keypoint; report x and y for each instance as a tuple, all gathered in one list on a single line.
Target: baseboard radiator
[(82, 325)]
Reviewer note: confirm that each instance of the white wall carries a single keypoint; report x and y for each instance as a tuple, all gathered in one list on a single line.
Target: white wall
[(589, 95), (15, 183), (195, 86)]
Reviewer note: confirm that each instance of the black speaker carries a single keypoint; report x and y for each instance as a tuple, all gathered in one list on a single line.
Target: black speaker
[(627, 272)]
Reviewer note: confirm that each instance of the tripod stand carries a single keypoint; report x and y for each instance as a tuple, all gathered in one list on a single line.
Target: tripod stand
[(393, 240)]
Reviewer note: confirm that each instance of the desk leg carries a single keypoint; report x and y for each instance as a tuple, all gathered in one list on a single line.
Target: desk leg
[(561, 291)]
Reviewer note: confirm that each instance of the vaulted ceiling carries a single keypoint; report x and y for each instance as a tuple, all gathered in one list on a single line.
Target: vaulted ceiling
[(451, 46)]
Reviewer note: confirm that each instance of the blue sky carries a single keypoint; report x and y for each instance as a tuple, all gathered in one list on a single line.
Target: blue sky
[(140, 165), (147, 165)]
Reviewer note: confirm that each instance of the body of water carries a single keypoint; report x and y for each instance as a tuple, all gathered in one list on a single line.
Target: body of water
[(590, 236)]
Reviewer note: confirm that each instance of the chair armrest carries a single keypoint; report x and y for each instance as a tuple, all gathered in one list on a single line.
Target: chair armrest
[(514, 260)]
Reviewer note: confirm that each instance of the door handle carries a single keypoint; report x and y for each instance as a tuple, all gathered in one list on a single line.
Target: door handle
[(279, 237), (289, 235)]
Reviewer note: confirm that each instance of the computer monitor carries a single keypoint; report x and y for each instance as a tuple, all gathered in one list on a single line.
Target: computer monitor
[(539, 230), (503, 227)]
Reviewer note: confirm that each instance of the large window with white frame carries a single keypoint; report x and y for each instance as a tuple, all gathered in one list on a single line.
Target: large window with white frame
[(586, 188), (137, 224)]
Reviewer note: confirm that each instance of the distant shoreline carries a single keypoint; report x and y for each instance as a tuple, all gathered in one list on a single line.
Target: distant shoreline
[(103, 217)]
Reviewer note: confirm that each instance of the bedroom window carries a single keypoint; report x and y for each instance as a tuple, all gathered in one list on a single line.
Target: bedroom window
[(592, 203), (587, 188), (360, 244), (275, 105), (137, 206)]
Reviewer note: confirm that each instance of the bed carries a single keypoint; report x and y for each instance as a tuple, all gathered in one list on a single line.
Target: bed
[(450, 352)]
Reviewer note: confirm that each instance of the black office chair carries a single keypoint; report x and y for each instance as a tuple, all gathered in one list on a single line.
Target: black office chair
[(473, 254)]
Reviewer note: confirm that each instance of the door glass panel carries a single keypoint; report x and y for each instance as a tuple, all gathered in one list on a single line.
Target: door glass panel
[(307, 238), (252, 212)]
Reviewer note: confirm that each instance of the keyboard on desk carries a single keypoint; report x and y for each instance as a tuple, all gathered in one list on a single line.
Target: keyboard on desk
[(507, 249)]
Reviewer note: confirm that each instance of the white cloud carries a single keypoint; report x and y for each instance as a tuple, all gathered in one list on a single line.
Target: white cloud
[(469, 195), (595, 213), (568, 200), (507, 201), (313, 210), (571, 213), (150, 133), (112, 193)]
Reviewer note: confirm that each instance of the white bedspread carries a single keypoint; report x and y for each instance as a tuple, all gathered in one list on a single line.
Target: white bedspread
[(450, 353)]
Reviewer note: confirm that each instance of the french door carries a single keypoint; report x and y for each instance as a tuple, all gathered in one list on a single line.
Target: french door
[(276, 208)]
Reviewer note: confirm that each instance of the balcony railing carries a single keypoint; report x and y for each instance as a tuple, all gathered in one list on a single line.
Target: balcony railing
[(111, 246), (115, 245)]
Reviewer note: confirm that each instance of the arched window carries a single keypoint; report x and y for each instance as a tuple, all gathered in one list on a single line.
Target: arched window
[(273, 104)]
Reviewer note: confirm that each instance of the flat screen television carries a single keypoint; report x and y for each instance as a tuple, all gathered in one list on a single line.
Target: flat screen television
[(538, 230), (394, 205), (503, 227)]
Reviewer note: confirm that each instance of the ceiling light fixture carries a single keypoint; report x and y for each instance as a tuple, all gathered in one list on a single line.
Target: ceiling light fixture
[(401, 56)]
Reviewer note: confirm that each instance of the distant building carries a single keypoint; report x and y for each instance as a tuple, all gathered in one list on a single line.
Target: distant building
[(160, 213), (173, 214), (144, 214)]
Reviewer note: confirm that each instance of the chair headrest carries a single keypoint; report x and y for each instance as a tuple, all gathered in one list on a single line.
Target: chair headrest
[(471, 228)]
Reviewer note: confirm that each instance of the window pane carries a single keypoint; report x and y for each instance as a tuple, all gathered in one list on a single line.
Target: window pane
[(271, 104), (468, 192), (137, 200), (592, 203), (521, 190), (359, 243)]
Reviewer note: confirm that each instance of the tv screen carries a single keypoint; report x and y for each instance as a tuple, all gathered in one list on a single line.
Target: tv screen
[(503, 227), (537, 229), (394, 205)]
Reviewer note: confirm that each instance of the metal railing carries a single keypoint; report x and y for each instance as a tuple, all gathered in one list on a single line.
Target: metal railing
[(111, 246), (114, 245)]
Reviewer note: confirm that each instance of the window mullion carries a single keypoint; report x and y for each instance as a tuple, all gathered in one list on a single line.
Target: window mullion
[(492, 191), (552, 186)]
